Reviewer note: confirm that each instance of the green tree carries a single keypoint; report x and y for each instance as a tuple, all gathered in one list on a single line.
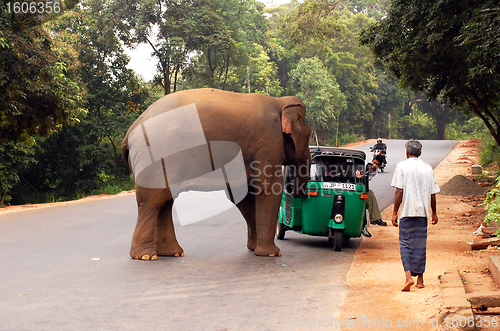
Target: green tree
[(352, 65), (321, 94), (160, 24), (228, 46), (387, 107), (262, 73), (376, 9), (85, 156), (36, 96), (319, 28), (279, 47), (216, 35), (311, 25), (447, 49), (14, 158), (442, 114)]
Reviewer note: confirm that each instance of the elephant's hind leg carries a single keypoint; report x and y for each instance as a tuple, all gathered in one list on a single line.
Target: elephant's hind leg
[(247, 209), (165, 240), (143, 247)]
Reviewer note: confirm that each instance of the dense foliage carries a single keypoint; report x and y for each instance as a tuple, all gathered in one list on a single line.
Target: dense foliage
[(67, 96), (448, 49), (492, 205), (321, 94), (36, 95)]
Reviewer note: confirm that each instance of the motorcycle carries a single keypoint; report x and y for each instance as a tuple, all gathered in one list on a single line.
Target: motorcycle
[(377, 151)]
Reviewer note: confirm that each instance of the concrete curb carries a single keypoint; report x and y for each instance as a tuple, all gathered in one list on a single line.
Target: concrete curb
[(494, 265), (455, 304)]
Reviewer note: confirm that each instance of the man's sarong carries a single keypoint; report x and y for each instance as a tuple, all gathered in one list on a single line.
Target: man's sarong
[(413, 243)]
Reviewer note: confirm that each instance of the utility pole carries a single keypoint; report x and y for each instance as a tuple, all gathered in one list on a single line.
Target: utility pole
[(337, 137), (248, 80), (389, 125)]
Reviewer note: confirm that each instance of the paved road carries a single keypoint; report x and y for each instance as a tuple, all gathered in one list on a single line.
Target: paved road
[(49, 280), (433, 151), (67, 268)]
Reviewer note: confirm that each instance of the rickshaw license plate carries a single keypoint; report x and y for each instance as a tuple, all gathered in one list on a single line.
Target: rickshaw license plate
[(340, 186)]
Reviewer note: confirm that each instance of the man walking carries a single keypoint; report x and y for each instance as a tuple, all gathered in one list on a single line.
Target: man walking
[(416, 190)]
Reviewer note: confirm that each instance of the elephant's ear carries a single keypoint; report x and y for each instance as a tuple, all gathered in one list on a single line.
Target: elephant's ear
[(292, 121)]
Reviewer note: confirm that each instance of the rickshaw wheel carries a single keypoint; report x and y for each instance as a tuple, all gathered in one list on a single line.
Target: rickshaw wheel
[(280, 231), (337, 240)]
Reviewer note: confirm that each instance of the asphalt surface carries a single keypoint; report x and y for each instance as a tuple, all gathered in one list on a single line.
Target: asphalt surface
[(67, 268), (433, 151)]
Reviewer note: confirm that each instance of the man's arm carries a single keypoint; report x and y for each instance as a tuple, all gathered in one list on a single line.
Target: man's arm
[(434, 218), (398, 198)]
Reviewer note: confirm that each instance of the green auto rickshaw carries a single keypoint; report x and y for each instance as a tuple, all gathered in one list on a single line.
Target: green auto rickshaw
[(334, 202)]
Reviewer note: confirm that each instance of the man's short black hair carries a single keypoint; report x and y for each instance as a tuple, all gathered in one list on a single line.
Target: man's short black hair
[(379, 158)]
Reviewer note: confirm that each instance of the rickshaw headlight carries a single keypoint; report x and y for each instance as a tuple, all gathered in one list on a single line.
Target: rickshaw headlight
[(338, 218)]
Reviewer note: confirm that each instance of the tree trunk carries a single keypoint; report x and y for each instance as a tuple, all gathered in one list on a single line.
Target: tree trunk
[(441, 130), (166, 80), (441, 122), (488, 118), (389, 126), (314, 132), (117, 157), (175, 78), (4, 193), (369, 129), (322, 141)]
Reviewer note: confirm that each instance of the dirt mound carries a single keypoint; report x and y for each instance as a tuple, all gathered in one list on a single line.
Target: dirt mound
[(462, 186)]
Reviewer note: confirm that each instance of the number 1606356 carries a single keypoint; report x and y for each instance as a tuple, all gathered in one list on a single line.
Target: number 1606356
[(472, 321), (34, 7)]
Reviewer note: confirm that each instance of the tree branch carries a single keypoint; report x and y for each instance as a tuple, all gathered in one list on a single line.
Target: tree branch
[(154, 48)]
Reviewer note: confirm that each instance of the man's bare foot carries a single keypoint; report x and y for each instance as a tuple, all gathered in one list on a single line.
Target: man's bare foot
[(407, 286), (420, 281)]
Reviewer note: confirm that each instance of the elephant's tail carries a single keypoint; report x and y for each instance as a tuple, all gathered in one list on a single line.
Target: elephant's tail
[(124, 150)]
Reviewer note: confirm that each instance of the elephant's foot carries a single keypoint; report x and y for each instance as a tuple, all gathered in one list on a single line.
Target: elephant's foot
[(146, 257), (251, 244), (268, 250), (251, 239), (143, 252), (172, 250)]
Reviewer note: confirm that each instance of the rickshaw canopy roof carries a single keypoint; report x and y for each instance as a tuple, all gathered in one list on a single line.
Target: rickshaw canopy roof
[(336, 151)]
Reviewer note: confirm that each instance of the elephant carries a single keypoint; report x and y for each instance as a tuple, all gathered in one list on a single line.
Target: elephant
[(176, 144)]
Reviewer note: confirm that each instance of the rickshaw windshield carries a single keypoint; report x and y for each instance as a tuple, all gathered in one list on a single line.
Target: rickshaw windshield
[(341, 169)]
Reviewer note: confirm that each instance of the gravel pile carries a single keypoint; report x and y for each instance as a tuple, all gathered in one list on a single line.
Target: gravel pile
[(462, 186)]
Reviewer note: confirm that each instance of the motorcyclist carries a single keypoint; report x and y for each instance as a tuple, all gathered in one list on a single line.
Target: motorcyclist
[(380, 145), (383, 149)]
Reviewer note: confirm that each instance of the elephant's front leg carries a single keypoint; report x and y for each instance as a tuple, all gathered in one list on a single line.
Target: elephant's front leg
[(267, 202), (165, 240)]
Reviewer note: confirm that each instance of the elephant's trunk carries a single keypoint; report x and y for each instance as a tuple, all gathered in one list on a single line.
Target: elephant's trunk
[(301, 177)]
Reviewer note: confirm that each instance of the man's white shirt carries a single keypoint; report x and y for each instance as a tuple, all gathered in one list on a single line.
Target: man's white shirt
[(417, 180)]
